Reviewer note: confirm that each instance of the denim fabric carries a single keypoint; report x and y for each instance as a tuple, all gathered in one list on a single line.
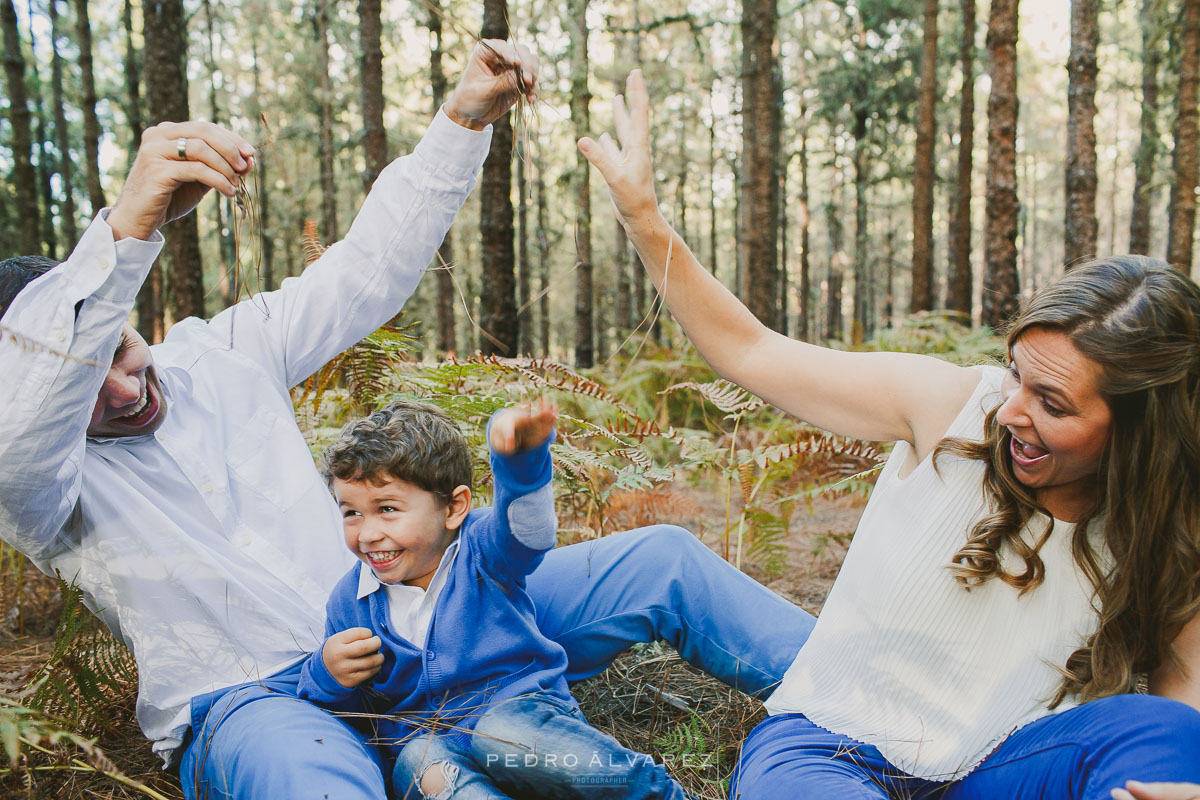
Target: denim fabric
[(1079, 754), (536, 746), (595, 599)]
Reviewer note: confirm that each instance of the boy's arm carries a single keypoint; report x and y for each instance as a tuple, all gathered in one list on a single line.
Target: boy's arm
[(523, 525), (318, 683)]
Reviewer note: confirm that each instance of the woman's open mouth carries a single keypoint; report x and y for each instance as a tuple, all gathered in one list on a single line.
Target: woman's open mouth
[(1025, 454)]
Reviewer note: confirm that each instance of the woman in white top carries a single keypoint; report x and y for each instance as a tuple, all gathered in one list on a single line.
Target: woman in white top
[(1031, 552)]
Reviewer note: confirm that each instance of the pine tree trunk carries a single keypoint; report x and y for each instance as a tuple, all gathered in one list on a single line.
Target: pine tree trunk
[(837, 257), (133, 79), (543, 246), (1181, 223), (958, 286), (445, 257), (1140, 228), (1000, 288), (524, 278), (261, 165), (864, 281), (91, 125), (1080, 223), (167, 100), (45, 163), (24, 178), (498, 289), (375, 142), (585, 348), (761, 120), (62, 135), (923, 173), (231, 277), (325, 149)]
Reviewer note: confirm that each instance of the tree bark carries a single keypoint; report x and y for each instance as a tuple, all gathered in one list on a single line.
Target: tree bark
[(958, 287), (1080, 223), (923, 173), (45, 163), (167, 100), (1153, 28), (524, 268), (1181, 222), (231, 277), (543, 246), (262, 165), (133, 72), (24, 179), (498, 289), (62, 135), (375, 142), (804, 323), (91, 125), (444, 280), (585, 348), (837, 257), (761, 122), (325, 149), (1000, 288)]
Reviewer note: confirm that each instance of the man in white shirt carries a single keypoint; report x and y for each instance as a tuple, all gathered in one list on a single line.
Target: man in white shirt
[(172, 484)]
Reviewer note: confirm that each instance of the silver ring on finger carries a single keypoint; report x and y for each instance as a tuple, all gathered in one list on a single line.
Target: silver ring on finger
[(181, 148)]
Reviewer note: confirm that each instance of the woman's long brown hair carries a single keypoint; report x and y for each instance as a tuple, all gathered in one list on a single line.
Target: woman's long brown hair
[(1139, 319)]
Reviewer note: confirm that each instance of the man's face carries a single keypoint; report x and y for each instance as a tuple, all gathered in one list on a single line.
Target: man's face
[(130, 402)]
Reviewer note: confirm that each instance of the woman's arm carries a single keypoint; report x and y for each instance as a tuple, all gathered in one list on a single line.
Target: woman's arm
[(876, 396), (1181, 684)]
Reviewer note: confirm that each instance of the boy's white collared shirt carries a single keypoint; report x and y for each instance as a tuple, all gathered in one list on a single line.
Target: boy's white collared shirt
[(410, 608)]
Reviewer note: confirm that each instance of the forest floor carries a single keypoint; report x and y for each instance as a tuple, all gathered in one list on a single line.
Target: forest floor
[(649, 699)]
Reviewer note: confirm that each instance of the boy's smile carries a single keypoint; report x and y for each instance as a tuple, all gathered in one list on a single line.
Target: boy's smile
[(398, 529)]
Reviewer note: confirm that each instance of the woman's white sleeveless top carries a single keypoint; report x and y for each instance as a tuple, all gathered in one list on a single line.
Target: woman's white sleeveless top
[(902, 656)]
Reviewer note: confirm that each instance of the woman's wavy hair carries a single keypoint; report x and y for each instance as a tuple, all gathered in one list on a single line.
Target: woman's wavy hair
[(1139, 319)]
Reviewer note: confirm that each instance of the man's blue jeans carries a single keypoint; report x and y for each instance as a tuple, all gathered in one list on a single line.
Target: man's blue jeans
[(595, 599), (529, 747)]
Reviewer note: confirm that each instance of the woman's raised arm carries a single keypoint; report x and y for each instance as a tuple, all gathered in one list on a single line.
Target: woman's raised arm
[(875, 396)]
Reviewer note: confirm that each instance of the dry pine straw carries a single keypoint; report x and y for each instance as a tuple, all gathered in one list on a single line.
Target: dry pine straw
[(649, 700)]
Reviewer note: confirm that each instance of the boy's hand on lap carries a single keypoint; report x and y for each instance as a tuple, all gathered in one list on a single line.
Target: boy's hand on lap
[(523, 427), (352, 656)]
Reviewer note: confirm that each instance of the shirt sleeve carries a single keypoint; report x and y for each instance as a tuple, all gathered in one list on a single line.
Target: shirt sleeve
[(317, 685), (56, 344), (523, 525), (362, 281)]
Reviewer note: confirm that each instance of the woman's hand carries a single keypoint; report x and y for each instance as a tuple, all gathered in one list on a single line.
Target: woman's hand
[(1136, 790), (522, 427), (176, 165), (627, 169), (497, 74), (352, 656)]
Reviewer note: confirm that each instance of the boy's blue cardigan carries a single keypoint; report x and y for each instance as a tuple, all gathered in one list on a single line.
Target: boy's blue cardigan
[(483, 645)]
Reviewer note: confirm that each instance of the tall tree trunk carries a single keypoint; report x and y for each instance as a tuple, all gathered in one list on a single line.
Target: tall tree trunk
[(45, 163), (24, 179), (371, 67), (1153, 28), (543, 246), (231, 279), (1080, 224), (444, 280), (761, 121), (804, 324), (262, 164), (62, 135), (167, 100), (524, 278), (133, 79), (325, 149), (585, 349), (498, 290), (91, 125), (837, 256), (923, 173), (1181, 222), (864, 281), (1000, 288), (958, 286), (712, 188)]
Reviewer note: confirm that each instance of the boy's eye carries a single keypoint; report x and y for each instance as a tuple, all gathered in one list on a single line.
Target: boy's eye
[(387, 509), (349, 512)]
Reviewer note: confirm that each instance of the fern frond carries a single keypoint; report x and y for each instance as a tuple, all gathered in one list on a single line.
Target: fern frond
[(728, 397), (311, 242)]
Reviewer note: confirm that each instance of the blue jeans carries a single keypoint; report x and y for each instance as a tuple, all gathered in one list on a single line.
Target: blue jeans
[(535, 746), (1080, 754), (595, 599)]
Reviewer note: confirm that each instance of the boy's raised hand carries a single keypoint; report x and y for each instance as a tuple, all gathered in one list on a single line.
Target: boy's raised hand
[(352, 656), (523, 426)]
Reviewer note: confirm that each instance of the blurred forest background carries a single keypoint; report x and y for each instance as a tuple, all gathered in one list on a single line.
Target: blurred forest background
[(839, 163)]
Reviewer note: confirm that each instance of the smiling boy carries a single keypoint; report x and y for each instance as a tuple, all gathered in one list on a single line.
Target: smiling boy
[(434, 629)]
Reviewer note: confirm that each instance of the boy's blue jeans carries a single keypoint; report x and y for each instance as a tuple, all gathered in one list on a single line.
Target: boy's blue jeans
[(529, 747), (595, 599)]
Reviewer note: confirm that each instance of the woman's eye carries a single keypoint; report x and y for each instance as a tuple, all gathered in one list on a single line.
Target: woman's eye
[(1012, 371), (1052, 409)]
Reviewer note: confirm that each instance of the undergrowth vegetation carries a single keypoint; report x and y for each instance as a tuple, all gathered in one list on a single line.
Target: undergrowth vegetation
[(661, 439)]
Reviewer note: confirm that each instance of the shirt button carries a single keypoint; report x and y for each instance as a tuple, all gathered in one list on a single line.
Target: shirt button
[(102, 263), (430, 656), (60, 336)]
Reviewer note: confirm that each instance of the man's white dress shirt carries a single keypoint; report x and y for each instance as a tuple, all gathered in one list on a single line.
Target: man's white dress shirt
[(210, 546)]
